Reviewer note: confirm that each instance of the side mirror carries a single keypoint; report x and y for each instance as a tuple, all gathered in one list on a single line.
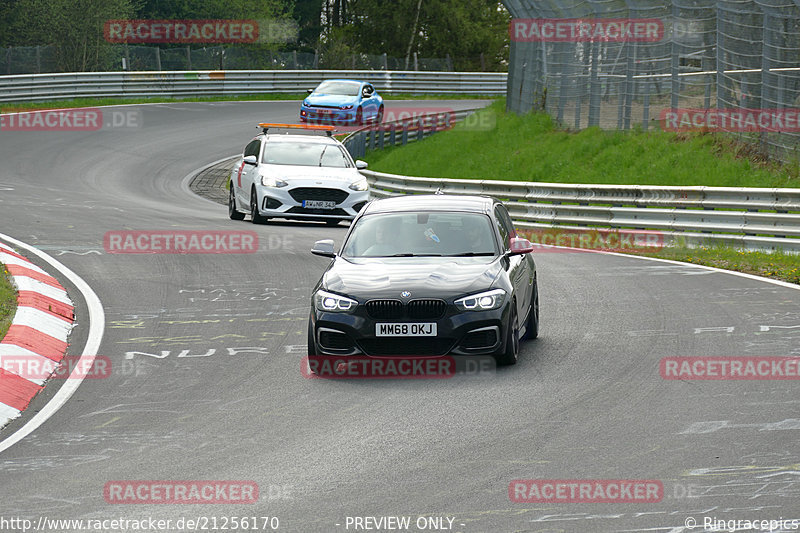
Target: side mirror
[(361, 165), (310, 91), (250, 160), (520, 246), (323, 248)]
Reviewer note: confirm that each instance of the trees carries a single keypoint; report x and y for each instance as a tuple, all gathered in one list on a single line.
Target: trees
[(473, 33), (74, 28)]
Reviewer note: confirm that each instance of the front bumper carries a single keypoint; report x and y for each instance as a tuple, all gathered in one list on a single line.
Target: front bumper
[(458, 333), (328, 115), (288, 202)]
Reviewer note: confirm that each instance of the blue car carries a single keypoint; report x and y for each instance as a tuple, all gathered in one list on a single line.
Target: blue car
[(342, 102)]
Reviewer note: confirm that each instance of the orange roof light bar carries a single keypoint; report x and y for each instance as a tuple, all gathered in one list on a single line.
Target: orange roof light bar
[(265, 126)]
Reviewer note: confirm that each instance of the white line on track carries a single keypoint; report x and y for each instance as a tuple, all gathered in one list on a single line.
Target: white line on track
[(97, 324)]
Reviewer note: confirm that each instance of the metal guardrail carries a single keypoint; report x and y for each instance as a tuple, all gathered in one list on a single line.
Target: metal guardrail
[(753, 219), (41, 87), (401, 132)]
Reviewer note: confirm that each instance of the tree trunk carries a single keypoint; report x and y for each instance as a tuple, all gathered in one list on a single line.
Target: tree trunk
[(413, 33)]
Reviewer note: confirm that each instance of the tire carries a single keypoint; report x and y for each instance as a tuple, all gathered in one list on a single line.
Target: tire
[(532, 327), (311, 348), (233, 213), (255, 216), (359, 117), (379, 118), (511, 355)]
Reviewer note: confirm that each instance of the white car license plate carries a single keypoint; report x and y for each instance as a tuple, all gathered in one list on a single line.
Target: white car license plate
[(319, 204), (420, 329)]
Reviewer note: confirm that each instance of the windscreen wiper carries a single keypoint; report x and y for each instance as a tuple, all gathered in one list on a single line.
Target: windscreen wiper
[(470, 254), (415, 255)]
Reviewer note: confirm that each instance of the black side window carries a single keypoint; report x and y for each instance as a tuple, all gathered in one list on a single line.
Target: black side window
[(253, 148), (502, 227)]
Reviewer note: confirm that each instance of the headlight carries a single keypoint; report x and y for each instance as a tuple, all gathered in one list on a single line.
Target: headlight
[(360, 185), (305, 103), (333, 303), (346, 106), (482, 301), (271, 181)]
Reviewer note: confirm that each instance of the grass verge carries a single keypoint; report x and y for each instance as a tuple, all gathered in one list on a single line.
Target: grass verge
[(8, 301), (97, 102), (532, 147)]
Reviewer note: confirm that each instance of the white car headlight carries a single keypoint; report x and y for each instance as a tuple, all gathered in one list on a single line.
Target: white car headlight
[(360, 185), (482, 301), (271, 181), (333, 303)]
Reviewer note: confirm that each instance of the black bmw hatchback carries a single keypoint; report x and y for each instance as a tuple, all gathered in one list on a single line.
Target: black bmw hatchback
[(426, 276)]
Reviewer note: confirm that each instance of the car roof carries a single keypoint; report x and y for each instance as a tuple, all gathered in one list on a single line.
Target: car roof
[(431, 202), (344, 79)]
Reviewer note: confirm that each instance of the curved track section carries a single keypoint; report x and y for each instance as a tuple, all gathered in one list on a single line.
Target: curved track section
[(207, 386)]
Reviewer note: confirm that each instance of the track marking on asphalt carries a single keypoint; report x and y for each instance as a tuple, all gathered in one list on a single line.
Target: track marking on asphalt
[(90, 349)]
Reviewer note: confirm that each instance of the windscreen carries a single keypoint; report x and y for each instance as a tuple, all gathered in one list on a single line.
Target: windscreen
[(345, 88), (305, 154), (421, 234)]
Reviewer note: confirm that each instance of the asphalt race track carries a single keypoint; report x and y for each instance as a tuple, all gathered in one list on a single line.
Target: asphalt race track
[(206, 352)]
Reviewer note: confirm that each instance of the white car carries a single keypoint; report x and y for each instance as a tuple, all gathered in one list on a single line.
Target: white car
[(297, 176)]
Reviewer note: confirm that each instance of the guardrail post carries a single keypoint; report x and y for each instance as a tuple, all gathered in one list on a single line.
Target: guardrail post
[(381, 135), (362, 144), (405, 133), (38, 59), (385, 61), (189, 56), (158, 58), (646, 110), (8, 60), (294, 58), (392, 135), (420, 130)]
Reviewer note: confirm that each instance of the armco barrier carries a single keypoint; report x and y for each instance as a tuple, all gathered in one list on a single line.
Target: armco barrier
[(400, 132), (41, 87), (753, 219)]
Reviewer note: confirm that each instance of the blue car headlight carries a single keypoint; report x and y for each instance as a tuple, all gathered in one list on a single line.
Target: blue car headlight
[(333, 303), (482, 301), (305, 103), (349, 106)]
